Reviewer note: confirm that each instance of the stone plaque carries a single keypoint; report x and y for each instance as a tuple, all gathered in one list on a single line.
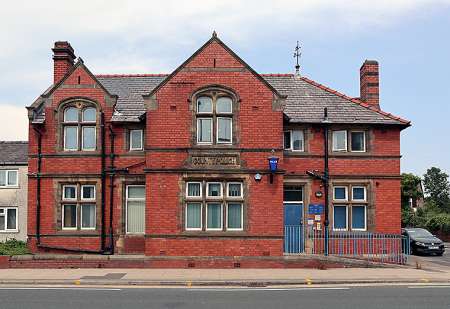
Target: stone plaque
[(214, 161)]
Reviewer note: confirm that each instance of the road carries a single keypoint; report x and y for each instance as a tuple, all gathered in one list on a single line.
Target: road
[(436, 261), (304, 297)]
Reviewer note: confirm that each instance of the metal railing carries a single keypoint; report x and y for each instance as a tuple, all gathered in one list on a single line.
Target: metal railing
[(374, 247)]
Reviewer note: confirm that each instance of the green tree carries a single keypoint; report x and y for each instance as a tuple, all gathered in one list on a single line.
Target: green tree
[(437, 188), (410, 186)]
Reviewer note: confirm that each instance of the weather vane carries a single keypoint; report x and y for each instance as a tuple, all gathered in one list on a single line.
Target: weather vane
[(297, 55)]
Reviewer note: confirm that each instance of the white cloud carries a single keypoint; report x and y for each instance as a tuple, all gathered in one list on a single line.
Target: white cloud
[(14, 123)]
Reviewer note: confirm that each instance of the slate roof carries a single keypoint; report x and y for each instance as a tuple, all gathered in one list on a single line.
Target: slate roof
[(305, 101), (13, 153), (130, 89)]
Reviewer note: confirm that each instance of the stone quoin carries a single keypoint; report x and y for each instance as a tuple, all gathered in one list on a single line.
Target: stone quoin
[(165, 164)]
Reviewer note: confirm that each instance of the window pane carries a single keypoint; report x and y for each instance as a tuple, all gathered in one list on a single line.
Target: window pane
[(135, 217), (89, 114), (71, 114), (71, 138), (88, 138), (136, 192), (297, 139), (88, 216), (340, 217), (194, 189), (12, 178), (2, 178), (359, 193), (224, 130), (88, 192), (214, 189), (136, 139), (193, 216), (204, 105), (357, 141), (340, 193), (224, 105), (293, 194), (204, 134), (358, 217), (70, 192), (234, 189), (12, 218), (339, 140), (234, 216), (2, 222), (70, 216), (214, 217), (287, 140)]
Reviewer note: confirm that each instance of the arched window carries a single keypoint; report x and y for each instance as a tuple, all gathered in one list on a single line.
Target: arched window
[(214, 118), (80, 128)]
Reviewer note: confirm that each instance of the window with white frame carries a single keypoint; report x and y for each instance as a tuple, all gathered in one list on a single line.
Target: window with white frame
[(339, 139), (136, 139), (8, 219), (350, 204), (214, 206), (294, 140), (9, 178), (135, 209), (79, 125), (349, 141), (78, 207), (214, 118)]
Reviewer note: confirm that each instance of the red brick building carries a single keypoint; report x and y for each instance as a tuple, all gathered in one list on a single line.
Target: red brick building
[(177, 165)]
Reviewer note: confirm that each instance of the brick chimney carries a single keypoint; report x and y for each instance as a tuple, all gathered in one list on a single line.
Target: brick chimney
[(63, 59), (369, 83)]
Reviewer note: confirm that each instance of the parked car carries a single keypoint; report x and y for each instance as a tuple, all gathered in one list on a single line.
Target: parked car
[(423, 242)]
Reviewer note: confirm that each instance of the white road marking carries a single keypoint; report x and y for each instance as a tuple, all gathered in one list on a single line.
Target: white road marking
[(261, 289), (430, 287), (68, 288)]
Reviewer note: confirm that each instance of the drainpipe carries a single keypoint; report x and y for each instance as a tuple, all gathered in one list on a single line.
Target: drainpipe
[(326, 176), (103, 181), (38, 188), (111, 191)]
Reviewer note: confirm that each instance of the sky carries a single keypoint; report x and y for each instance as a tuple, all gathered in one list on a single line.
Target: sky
[(409, 38)]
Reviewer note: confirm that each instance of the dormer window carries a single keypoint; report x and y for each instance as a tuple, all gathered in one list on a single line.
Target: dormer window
[(214, 119), (80, 128)]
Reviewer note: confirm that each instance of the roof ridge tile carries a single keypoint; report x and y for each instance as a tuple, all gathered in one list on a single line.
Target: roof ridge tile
[(132, 75)]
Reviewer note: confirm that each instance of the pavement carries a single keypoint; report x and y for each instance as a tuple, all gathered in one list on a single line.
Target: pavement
[(222, 277)]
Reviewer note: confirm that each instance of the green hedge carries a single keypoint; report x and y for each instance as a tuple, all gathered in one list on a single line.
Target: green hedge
[(13, 247)]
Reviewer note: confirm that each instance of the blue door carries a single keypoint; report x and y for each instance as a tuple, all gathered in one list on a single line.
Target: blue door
[(293, 228)]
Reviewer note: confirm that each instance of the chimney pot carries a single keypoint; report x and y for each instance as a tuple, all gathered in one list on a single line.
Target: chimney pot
[(63, 59), (369, 83)]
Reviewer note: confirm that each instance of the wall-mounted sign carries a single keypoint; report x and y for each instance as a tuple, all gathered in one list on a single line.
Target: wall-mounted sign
[(206, 161), (317, 217), (315, 209), (310, 221)]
